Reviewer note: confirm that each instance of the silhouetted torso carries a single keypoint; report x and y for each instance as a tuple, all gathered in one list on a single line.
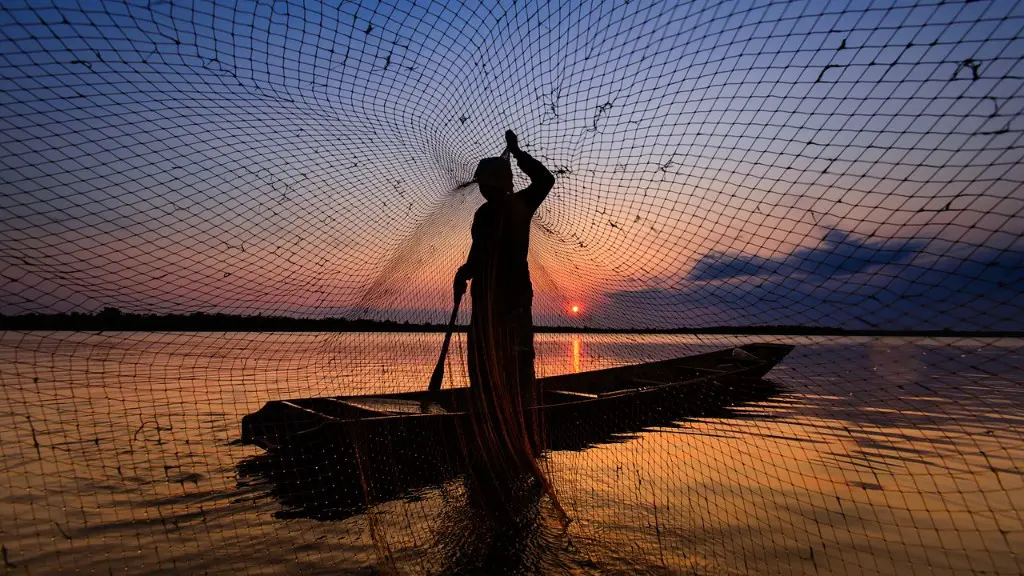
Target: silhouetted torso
[(501, 231), (501, 241)]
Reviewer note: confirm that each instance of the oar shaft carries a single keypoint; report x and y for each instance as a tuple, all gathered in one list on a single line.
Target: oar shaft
[(437, 378)]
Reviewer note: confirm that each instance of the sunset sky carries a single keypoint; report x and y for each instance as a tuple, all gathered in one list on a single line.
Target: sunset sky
[(717, 163)]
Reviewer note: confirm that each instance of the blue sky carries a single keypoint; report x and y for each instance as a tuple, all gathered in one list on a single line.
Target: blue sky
[(295, 158)]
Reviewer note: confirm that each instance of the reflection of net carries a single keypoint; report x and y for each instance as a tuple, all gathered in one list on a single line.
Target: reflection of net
[(718, 165)]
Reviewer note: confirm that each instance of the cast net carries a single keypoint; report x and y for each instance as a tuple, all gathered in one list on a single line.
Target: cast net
[(208, 206)]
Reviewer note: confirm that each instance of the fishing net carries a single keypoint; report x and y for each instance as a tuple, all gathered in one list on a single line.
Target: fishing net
[(208, 206)]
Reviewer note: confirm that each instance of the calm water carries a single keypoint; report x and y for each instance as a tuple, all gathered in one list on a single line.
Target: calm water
[(119, 455)]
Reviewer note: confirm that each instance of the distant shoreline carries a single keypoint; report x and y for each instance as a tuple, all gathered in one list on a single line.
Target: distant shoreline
[(112, 320)]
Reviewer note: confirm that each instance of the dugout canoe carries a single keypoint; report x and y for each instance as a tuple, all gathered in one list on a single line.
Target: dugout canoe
[(578, 410)]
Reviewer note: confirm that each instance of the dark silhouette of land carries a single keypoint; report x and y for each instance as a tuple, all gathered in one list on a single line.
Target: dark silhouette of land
[(112, 319)]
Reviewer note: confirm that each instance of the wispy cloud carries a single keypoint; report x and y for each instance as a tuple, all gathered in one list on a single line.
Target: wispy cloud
[(843, 282), (839, 254)]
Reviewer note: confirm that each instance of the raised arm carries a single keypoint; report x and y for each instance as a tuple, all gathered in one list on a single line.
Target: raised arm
[(541, 180)]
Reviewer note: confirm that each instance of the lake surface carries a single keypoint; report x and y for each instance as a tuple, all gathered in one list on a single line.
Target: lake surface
[(119, 454)]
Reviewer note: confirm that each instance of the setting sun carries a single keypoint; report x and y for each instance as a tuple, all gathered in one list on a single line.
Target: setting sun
[(575, 309)]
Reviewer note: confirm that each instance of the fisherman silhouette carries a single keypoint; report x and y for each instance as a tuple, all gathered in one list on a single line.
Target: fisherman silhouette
[(500, 339)]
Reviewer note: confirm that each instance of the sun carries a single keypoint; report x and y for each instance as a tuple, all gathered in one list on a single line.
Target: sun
[(575, 309)]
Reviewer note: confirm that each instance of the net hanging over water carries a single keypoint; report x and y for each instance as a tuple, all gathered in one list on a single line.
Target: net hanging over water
[(200, 201)]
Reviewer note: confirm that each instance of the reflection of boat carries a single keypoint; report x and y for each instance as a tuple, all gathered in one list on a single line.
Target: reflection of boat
[(327, 458), (569, 402)]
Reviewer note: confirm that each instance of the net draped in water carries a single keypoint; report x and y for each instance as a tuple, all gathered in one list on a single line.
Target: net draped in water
[(742, 172)]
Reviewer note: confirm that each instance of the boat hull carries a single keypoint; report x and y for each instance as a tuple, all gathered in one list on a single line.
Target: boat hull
[(576, 409)]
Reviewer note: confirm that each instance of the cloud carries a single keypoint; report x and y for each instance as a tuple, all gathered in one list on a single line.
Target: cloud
[(838, 254), (915, 284)]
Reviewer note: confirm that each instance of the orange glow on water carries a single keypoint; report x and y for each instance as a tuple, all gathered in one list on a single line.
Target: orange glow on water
[(577, 354)]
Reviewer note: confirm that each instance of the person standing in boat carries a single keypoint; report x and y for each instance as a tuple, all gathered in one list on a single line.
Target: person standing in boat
[(500, 339)]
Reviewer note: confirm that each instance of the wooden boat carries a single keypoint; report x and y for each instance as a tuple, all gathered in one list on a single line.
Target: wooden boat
[(329, 458), (569, 403)]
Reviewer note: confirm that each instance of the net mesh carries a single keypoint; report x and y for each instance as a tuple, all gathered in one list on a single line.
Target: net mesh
[(208, 206)]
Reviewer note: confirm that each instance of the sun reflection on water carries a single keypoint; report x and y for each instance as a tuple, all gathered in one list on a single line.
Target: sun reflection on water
[(577, 354)]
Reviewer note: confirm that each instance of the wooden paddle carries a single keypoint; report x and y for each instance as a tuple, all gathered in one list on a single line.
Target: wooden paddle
[(438, 376)]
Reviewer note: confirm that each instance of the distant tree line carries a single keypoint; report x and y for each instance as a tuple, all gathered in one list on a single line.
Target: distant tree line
[(113, 319)]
